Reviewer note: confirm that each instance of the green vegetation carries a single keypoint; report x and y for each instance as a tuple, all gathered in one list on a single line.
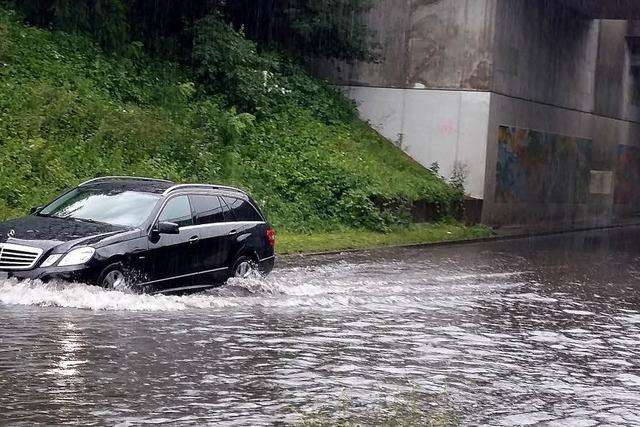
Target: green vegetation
[(290, 243), (325, 28), (301, 28), (68, 112)]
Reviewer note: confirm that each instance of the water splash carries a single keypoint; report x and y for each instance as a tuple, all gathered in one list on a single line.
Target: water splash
[(337, 285)]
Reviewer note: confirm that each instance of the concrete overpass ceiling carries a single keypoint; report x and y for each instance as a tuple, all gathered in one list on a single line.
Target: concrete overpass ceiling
[(606, 9)]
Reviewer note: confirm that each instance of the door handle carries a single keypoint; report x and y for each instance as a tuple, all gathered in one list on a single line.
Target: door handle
[(232, 232), (194, 239)]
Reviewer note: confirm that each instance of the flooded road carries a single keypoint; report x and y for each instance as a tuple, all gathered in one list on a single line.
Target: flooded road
[(537, 331)]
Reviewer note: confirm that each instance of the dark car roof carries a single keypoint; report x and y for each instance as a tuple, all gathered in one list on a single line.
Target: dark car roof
[(156, 186), (130, 184)]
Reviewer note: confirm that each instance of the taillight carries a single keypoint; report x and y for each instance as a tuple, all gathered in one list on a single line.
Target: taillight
[(271, 236)]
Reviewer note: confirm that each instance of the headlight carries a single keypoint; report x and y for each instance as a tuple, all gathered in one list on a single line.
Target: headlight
[(51, 260), (77, 257)]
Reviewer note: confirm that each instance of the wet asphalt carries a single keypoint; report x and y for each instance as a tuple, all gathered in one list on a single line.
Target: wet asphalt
[(539, 331)]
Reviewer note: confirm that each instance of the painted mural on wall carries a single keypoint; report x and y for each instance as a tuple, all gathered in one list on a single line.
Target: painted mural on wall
[(627, 182), (538, 167)]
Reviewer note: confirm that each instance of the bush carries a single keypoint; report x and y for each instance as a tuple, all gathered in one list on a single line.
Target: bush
[(260, 83)]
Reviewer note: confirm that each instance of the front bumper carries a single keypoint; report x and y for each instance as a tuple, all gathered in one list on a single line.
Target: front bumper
[(77, 273)]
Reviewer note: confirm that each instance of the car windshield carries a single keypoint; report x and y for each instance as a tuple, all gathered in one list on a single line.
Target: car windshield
[(116, 207)]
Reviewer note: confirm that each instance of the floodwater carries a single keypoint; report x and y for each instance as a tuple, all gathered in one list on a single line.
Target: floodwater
[(535, 331)]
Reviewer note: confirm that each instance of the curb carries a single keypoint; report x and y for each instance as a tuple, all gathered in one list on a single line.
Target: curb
[(496, 238)]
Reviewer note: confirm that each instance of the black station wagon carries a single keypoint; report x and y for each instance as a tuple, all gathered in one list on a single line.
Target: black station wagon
[(144, 234)]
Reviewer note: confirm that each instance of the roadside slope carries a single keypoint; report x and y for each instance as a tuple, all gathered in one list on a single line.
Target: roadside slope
[(68, 111)]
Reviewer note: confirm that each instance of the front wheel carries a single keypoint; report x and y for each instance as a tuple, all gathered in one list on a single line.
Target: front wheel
[(113, 278), (243, 268)]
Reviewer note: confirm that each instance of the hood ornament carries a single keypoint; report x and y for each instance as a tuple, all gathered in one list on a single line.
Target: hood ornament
[(11, 233)]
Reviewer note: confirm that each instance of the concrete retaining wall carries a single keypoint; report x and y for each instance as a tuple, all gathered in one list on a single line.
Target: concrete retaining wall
[(432, 126)]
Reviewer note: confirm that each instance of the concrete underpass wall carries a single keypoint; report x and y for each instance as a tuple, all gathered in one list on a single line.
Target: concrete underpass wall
[(599, 186), (563, 136), (544, 52), (445, 44), (551, 184)]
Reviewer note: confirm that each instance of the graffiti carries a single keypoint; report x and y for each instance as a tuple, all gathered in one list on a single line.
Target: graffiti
[(537, 167), (627, 182)]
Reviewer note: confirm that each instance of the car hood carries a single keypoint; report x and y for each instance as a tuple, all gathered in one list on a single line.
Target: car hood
[(47, 233)]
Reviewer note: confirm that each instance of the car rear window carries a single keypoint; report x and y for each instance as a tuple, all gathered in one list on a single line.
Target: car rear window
[(242, 210), (208, 209)]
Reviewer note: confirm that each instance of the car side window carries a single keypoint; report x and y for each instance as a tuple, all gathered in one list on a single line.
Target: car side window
[(177, 210), (228, 215), (242, 210), (208, 209)]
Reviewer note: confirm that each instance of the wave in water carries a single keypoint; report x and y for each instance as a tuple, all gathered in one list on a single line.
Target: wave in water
[(337, 286)]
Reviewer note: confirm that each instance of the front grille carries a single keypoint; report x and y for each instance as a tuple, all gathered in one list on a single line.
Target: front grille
[(18, 257)]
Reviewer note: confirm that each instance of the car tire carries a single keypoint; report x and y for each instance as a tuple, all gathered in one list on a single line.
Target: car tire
[(243, 268), (113, 278)]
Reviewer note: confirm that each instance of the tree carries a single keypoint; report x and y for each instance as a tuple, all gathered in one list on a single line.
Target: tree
[(319, 28), (166, 26), (303, 28), (105, 20)]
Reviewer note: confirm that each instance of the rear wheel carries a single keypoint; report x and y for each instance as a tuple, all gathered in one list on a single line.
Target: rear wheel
[(243, 268)]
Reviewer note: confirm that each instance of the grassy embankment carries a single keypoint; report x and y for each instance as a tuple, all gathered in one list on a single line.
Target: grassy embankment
[(69, 111), (292, 243)]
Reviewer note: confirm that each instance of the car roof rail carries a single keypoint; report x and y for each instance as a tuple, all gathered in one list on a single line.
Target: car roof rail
[(202, 186), (123, 178)]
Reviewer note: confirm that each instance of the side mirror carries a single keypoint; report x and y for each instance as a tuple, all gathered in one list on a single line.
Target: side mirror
[(167, 228), (35, 210)]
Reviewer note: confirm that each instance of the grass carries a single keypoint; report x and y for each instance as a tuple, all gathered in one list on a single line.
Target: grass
[(293, 243)]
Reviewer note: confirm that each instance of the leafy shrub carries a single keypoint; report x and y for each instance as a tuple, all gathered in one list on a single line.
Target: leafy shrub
[(229, 65), (259, 83)]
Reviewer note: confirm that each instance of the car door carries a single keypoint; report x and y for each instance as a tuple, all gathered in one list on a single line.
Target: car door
[(172, 258), (213, 253), (245, 229)]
